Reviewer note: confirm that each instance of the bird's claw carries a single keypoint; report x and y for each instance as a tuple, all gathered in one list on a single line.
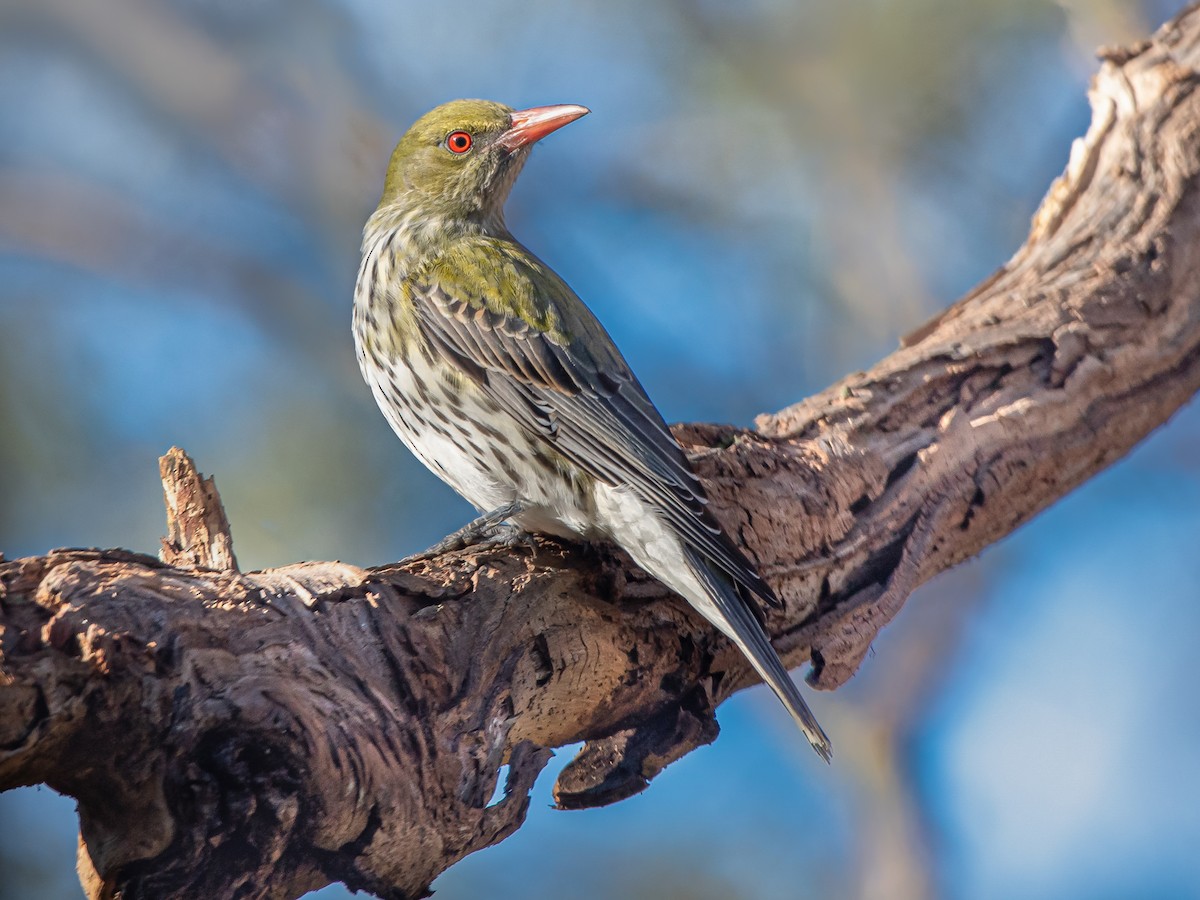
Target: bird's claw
[(512, 537), (504, 536), (491, 527)]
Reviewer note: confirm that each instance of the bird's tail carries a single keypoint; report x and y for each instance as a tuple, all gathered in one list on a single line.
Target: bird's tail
[(731, 613)]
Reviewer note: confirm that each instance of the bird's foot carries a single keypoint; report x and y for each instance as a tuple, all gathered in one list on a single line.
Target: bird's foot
[(491, 526), (508, 536)]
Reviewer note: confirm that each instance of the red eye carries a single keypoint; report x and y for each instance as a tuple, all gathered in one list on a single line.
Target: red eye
[(458, 142)]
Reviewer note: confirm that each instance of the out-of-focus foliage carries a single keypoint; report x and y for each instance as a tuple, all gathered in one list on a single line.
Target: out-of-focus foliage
[(766, 195)]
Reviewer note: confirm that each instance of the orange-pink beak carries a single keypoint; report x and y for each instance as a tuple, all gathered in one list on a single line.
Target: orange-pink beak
[(530, 125)]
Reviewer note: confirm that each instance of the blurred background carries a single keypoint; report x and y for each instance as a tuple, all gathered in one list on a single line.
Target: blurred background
[(766, 195)]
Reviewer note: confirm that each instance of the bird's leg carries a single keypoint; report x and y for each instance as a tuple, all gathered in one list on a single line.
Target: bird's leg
[(489, 526)]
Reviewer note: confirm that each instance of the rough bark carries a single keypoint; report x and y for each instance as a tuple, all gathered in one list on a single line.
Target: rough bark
[(261, 734)]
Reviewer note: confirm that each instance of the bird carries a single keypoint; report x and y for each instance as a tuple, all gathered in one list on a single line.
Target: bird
[(502, 382)]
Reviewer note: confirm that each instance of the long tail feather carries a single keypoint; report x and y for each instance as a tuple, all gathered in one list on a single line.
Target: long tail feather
[(729, 612)]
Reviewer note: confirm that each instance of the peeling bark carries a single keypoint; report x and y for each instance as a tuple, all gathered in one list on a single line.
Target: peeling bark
[(198, 534), (262, 734)]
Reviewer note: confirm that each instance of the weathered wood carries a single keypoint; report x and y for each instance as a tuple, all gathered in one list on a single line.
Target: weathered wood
[(198, 533), (262, 734)]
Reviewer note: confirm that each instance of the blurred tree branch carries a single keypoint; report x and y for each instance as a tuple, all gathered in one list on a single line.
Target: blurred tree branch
[(262, 734)]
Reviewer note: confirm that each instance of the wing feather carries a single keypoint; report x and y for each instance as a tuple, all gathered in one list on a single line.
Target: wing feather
[(596, 414)]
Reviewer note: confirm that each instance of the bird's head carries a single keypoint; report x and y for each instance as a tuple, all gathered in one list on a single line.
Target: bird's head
[(460, 160)]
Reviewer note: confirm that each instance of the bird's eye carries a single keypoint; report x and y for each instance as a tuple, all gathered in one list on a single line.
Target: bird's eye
[(459, 141)]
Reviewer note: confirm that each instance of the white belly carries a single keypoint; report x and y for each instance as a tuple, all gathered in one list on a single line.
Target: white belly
[(479, 449), (417, 405)]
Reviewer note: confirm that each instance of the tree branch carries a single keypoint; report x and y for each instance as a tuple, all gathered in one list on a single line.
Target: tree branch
[(265, 733)]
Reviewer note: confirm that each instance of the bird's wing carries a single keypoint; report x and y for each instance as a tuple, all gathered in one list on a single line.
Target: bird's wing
[(581, 398)]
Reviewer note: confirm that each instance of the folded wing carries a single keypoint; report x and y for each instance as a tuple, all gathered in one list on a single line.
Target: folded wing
[(581, 398)]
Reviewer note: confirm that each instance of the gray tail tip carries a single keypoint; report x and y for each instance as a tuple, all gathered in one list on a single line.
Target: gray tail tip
[(817, 737), (822, 746)]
